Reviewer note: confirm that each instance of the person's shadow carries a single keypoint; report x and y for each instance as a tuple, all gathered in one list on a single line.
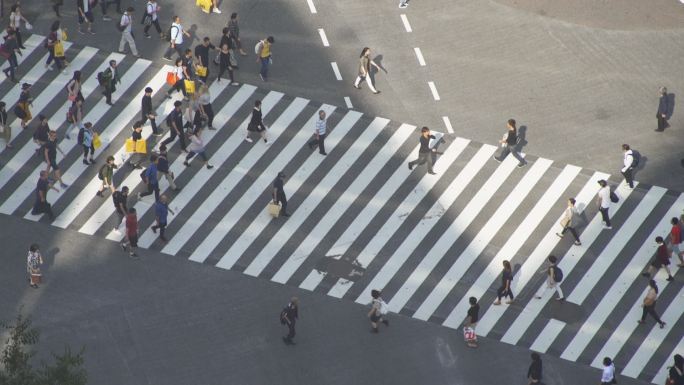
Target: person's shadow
[(377, 60), (671, 104), (193, 36), (522, 139)]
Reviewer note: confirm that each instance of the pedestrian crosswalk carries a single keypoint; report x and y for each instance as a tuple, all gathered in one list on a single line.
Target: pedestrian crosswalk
[(361, 220)]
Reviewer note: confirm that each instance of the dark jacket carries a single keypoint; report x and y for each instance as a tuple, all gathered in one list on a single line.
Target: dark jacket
[(256, 123), (664, 105)]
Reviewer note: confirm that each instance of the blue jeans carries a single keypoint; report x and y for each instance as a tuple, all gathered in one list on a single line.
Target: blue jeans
[(265, 62)]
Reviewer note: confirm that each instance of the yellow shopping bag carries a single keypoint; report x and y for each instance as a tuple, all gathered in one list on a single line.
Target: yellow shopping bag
[(97, 142), (64, 35), (189, 86), (130, 145), (204, 4), (59, 49), (201, 71), (141, 146)]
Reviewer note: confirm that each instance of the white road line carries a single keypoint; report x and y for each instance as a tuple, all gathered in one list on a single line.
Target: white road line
[(433, 89), (567, 264), (312, 8), (324, 38), (553, 328), (631, 273), (419, 55), (400, 214), (336, 70), (661, 375), (423, 228), (347, 198), (485, 235), (529, 268), (447, 124), (348, 102), (514, 243), (404, 20)]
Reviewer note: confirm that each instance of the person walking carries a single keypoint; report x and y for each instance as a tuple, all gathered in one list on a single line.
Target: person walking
[(161, 210), (11, 47), (104, 4), (289, 317), (472, 317), (509, 144), (364, 70), (569, 221), (554, 276), (256, 123), (75, 120), (196, 147), (534, 373), (176, 34), (120, 200), (279, 193), (661, 259), (675, 375), (130, 242), (23, 107), (152, 18), (15, 23), (424, 152), (135, 160), (377, 311), (106, 175), (649, 303), (150, 177), (676, 240), (506, 280), (87, 137), (234, 33), (41, 205), (181, 73), (319, 133), (41, 134), (163, 167), (403, 4), (188, 64), (603, 202), (85, 15), (109, 80), (147, 112), (608, 374), (628, 165), (264, 56), (55, 7), (33, 263), (202, 56), (53, 39), (663, 109), (175, 123), (126, 28), (226, 64), (5, 128), (73, 88), (50, 155), (204, 100)]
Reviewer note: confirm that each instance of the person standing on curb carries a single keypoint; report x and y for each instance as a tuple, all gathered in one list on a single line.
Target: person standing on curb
[(649, 304), (126, 28), (509, 143), (279, 193), (424, 152), (608, 375), (603, 202), (152, 18), (163, 167), (120, 199), (105, 174), (554, 276), (377, 311), (319, 133), (264, 56), (676, 240), (85, 15), (110, 78), (12, 48), (41, 206), (161, 209), (473, 316), (4, 126), (289, 317), (175, 123), (661, 259), (234, 33), (33, 263), (130, 243), (151, 179), (676, 371), (256, 123), (147, 112), (506, 281), (364, 70), (663, 109), (534, 373), (176, 34), (569, 221), (629, 164)]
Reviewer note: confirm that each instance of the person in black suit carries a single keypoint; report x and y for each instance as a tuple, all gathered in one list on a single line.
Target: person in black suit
[(279, 193), (663, 109), (256, 124)]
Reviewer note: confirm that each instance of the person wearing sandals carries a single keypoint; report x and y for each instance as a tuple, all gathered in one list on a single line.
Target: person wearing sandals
[(569, 221), (506, 281), (375, 313), (649, 304)]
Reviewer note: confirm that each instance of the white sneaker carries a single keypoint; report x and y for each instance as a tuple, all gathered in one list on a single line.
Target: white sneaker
[(607, 227), (216, 10), (249, 139)]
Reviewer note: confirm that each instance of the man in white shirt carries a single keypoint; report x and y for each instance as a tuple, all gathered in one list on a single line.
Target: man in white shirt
[(126, 24), (319, 134), (175, 39), (603, 201), (628, 162)]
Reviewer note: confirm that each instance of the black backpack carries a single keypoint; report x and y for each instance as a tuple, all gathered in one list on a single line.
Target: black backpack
[(101, 78), (613, 197), (81, 134), (168, 33), (557, 274), (636, 157), (283, 316), (100, 174)]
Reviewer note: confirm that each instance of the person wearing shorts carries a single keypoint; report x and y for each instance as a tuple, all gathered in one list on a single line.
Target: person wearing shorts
[(85, 14), (130, 243)]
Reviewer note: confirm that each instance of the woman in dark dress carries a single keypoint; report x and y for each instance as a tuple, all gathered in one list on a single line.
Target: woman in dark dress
[(256, 124), (506, 281)]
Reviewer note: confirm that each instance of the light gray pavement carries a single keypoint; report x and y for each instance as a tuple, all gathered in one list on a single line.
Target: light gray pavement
[(165, 320)]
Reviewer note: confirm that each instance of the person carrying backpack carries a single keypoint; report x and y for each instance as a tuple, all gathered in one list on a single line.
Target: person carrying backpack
[(377, 311), (554, 276), (630, 161), (175, 36), (289, 317), (106, 174), (151, 179)]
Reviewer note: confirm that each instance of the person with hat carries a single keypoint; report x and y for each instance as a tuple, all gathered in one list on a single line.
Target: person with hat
[(23, 108), (279, 193), (120, 199), (126, 27), (5, 128), (147, 112), (105, 174)]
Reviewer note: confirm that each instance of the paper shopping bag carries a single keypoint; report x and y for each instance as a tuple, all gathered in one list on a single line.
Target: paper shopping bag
[(97, 142), (130, 145), (201, 71), (273, 209), (171, 78), (141, 146), (189, 86)]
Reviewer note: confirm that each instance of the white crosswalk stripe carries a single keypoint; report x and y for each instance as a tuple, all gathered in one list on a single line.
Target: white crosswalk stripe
[(360, 220)]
